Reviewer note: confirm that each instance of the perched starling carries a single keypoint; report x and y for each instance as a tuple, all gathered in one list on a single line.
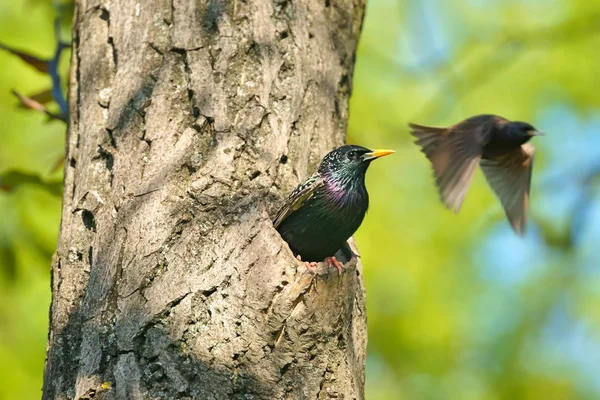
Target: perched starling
[(323, 212), (497, 145)]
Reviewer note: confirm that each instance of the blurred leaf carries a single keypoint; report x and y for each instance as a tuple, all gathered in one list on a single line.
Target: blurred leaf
[(30, 211), (10, 180), (57, 166), (31, 104), (39, 64), (7, 260), (38, 211), (44, 97), (458, 305)]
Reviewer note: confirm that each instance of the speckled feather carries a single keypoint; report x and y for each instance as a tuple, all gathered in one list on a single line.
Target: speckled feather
[(296, 199), (324, 211)]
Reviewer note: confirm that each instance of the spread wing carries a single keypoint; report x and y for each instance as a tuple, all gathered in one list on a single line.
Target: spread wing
[(454, 153), (298, 197), (509, 176)]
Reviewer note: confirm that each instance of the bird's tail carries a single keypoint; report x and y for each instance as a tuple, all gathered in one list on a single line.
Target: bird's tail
[(428, 137), (452, 159)]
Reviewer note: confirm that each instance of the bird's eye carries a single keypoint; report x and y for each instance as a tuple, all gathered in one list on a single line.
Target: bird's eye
[(352, 155)]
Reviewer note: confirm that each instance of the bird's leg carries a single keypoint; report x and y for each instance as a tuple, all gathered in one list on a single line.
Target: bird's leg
[(334, 261), (350, 250)]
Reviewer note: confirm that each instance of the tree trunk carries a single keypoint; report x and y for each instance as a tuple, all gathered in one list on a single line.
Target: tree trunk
[(189, 120)]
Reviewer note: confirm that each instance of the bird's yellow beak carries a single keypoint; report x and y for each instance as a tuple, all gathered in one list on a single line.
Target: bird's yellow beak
[(377, 153), (533, 132)]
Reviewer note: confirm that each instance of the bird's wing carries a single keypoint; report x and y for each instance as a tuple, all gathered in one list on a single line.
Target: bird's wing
[(454, 153), (298, 197), (509, 176)]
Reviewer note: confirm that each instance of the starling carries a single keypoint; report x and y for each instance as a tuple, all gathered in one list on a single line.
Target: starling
[(323, 212), (498, 145)]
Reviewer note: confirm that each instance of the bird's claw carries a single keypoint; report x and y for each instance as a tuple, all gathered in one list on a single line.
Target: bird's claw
[(337, 264), (311, 266)]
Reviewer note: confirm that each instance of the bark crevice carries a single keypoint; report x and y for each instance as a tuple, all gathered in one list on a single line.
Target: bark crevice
[(188, 125)]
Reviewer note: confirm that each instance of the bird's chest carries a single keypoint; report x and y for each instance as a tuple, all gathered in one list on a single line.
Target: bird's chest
[(338, 212), (324, 222)]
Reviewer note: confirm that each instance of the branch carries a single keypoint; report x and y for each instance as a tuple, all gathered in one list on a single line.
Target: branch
[(49, 67), (32, 104)]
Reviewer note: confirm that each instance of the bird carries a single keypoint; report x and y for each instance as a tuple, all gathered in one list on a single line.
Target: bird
[(500, 148), (325, 210)]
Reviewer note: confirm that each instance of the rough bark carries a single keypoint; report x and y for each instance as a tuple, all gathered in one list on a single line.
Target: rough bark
[(188, 122)]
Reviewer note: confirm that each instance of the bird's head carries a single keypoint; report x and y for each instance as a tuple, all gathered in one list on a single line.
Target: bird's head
[(348, 164), (521, 130)]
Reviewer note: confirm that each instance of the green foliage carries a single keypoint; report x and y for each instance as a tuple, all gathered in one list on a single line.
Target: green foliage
[(30, 189), (459, 308)]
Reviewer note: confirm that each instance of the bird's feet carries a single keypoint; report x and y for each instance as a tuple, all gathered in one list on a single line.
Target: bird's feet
[(334, 261), (331, 261), (310, 265)]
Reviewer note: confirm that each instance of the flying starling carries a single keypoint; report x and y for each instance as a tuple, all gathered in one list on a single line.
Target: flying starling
[(498, 145), (323, 212)]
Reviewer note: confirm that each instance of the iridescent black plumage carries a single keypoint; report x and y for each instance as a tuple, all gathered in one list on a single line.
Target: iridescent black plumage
[(326, 209), (498, 145)]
